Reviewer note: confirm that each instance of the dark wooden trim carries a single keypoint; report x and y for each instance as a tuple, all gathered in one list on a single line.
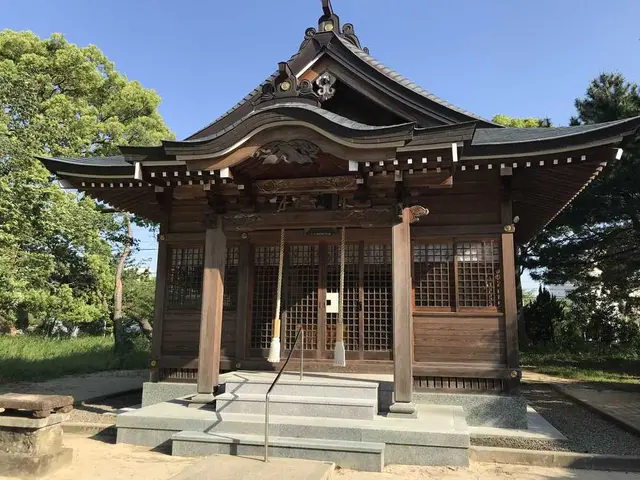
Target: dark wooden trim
[(162, 267), (323, 254), (297, 186), (211, 316), (510, 307), (461, 370), (187, 237), (461, 314), (402, 320), (361, 298), (242, 320), (426, 232), (247, 222), (177, 361)]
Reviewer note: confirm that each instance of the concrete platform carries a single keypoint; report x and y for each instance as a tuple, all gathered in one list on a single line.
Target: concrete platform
[(362, 456), (439, 436), (226, 467)]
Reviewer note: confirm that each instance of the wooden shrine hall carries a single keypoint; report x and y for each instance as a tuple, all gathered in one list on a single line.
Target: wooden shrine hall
[(341, 198)]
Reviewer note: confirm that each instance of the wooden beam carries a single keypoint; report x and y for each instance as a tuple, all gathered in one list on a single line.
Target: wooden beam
[(242, 319), (402, 318), (509, 287), (291, 186), (211, 317), (162, 267), (247, 222)]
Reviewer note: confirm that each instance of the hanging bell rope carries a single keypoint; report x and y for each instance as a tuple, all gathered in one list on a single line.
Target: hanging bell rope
[(339, 354), (274, 350)]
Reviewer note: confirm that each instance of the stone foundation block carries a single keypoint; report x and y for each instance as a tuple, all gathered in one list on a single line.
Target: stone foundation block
[(41, 441), (26, 465)]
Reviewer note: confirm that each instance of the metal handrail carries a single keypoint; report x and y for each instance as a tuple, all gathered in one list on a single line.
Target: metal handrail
[(299, 335)]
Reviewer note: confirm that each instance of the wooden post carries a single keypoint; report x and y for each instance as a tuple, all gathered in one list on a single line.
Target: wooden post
[(244, 265), (162, 266), (507, 249), (211, 316), (402, 321)]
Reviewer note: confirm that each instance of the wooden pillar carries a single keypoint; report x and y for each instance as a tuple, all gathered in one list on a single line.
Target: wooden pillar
[(244, 267), (211, 316), (507, 249), (402, 320), (162, 266), (163, 198)]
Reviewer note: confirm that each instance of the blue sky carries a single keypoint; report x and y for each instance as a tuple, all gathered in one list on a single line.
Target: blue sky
[(520, 58)]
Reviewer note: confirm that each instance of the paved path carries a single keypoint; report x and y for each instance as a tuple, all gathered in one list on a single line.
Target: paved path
[(621, 407), (227, 467), (84, 387)]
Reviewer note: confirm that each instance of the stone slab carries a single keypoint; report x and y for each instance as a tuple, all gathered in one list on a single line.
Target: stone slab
[(159, 392), (32, 423), (331, 407), (538, 428), (501, 411), (24, 466), (585, 461), (42, 405), (402, 454), (31, 442), (368, 457), (227, 467)]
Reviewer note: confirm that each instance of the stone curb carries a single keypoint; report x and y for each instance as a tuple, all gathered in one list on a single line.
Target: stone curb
[(622, 423), (543, 458), (89, 429)]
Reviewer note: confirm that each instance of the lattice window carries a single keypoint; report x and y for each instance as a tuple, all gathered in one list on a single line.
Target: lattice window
[(432, 264), (185, 278), (231, 279), (265, 286), (351, 301), (378, 301), (478, 265), (301, 300)]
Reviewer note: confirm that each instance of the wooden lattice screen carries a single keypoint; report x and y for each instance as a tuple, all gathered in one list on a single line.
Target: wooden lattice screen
[(351, 301), (230, 301), (378, 303), (465, 271), (478, 265), (185, 278), (431, 274), (301, 301), (265, 285)]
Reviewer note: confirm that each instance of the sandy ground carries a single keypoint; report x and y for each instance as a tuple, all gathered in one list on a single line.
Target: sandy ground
[(95, 459)]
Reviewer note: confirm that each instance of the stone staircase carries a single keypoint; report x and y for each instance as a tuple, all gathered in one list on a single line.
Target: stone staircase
[(319, 418)]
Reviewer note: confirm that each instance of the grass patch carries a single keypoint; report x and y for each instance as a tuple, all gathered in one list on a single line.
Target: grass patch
[(33, 358), (622, 367)]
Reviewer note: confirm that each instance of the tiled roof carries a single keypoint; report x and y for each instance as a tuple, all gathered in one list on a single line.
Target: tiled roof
[(114, 161), (496, 136), (405, 82)]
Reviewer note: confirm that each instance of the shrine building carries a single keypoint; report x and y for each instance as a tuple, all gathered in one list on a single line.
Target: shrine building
[(342, 199)]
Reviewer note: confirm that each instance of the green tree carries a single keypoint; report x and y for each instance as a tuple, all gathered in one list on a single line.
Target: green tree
[(58, 99), (514, 122), (601, 228)]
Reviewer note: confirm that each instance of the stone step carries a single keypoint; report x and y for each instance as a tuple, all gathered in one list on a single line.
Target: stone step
[(363, 456), (380, 429), (292, 405), (312, 386)]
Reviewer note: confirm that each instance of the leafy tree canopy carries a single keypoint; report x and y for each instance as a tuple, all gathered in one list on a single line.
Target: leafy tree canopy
[(514, 122), (59, 99), (596, 240)]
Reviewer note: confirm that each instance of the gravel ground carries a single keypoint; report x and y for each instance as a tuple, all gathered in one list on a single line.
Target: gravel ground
[(587, 431), (105, 410)]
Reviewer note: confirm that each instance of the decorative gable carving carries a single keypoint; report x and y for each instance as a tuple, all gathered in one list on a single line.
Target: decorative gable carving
[(301, 152)]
